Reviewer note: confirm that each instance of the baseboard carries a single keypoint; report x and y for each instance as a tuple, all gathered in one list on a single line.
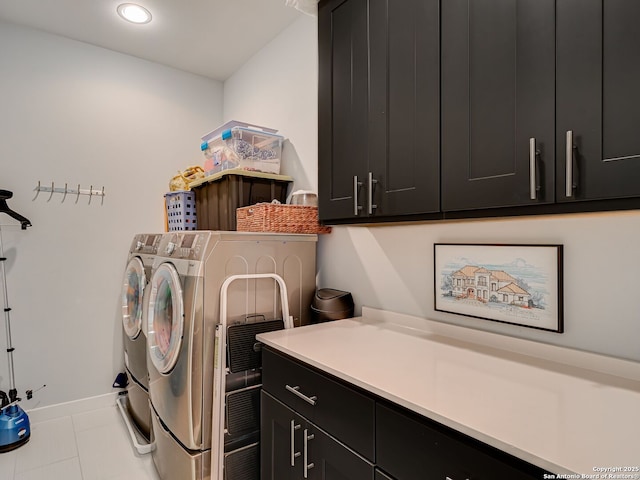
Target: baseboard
[(51, 412)]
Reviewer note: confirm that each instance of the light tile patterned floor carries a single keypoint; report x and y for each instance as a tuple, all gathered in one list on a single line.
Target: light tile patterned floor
[(93, 445)]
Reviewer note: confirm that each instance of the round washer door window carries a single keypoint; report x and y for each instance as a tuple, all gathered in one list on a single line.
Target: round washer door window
[(133, 286), (165, 318)]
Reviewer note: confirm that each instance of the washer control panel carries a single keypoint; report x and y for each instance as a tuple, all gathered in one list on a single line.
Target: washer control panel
[(187, 245), (146, 243)]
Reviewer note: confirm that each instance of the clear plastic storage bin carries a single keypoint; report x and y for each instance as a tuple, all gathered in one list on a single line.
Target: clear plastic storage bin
[(237, 145)]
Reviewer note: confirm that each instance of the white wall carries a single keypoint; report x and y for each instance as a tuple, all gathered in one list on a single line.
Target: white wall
[(71, 112), (391, 267), (278, 88)]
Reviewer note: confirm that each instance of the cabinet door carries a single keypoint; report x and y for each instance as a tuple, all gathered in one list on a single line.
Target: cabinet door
[(404, 113), (343, 106), (293, 448), (498, 90), (327, 459), (598, 99), (280, 440), (410, 447)]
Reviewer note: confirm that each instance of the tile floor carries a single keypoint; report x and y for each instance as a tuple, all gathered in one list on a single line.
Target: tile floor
[(93, 445)]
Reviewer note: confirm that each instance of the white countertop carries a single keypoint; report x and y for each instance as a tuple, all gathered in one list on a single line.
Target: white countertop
[(561, 417)]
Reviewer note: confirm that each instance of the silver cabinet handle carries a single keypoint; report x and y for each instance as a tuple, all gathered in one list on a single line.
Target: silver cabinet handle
[(296, 391), (569, 166), (294, 454), (534, 155), (372, 182), (356, 187), (307, 466)]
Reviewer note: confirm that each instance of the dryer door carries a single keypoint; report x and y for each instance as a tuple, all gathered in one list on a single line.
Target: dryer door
[(133, 286), (165, 318)]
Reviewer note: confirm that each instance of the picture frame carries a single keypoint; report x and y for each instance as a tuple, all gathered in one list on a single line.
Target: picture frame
[(517, 284)]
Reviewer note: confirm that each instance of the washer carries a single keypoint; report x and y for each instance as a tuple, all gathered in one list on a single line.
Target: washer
[(134, 303), (183, 312)]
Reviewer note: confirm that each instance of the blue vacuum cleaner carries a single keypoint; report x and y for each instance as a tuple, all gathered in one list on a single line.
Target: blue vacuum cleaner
[(15, 429)]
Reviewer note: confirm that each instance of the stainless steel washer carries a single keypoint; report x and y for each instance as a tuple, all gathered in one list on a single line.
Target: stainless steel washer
[(134, 303), (184, 309)]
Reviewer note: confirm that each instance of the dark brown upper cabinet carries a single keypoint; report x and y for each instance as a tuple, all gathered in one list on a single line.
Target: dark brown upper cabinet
[(451, 109), (378, 108), (343, 108), (598, 99), (498, 90)]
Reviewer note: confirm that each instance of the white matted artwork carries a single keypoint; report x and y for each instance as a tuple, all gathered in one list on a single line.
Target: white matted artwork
[(516, 284)]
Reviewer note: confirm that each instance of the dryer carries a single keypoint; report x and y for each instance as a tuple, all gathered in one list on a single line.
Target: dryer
[(137, 274), (183, 311)]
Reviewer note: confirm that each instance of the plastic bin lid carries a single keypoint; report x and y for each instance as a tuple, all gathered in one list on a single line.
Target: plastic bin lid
[(218, 132)]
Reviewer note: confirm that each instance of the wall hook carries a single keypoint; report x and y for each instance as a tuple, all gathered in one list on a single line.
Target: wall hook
[(68, 191), (52, 190), (37, 190)]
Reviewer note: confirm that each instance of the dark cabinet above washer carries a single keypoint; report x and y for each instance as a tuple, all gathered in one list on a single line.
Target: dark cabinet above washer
[(379, 108), (433, 109)]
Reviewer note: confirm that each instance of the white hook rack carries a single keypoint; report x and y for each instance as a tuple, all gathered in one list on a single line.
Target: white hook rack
[(66, 190)]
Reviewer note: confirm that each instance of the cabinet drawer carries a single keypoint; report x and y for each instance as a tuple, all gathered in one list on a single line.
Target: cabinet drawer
[(411, 447), (332, 405)]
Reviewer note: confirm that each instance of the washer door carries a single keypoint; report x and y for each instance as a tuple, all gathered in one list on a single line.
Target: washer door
[(133, 286), (165, 318)]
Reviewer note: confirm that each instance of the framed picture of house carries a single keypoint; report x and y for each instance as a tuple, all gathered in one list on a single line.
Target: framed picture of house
[(515, 284)]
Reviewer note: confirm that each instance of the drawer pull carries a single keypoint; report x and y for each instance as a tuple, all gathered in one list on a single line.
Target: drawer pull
[(534, 158), (356, 187), (372, 206), (296, 391), (307, 466), (571, 165), (294, 454)]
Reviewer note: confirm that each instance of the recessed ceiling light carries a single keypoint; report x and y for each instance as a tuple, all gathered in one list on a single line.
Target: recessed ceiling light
[(134, 13)]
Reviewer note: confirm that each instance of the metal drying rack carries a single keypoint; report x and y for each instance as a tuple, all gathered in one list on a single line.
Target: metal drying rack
[(66, 190)]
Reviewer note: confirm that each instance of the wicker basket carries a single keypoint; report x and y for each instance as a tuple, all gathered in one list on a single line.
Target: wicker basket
[(279, 218)]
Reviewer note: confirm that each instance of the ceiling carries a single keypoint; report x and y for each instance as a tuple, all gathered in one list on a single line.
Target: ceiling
[(206, 37)]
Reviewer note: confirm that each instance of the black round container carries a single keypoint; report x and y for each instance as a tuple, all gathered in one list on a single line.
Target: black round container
[(330, 304)]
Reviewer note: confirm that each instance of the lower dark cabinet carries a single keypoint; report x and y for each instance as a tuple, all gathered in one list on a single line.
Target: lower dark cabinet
[(338, 409), (279, 435), (411, 447), (294, 448), (318, 427)]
